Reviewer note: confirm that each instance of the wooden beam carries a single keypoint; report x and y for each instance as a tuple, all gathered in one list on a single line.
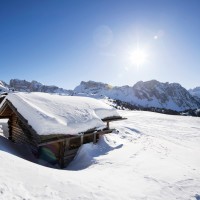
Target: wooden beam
[(64, 139), (81, 139), (107, 122), (4, 117), (95, 138), (114, 119), (51, 142), (61, 154), (67, 144)]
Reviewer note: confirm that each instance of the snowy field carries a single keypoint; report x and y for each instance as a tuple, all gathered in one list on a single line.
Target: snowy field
[(151, 157)]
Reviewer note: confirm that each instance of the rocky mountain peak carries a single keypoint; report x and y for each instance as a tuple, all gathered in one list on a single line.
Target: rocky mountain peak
[(34, 86), (92, 87), (195, 92), (146, 94)]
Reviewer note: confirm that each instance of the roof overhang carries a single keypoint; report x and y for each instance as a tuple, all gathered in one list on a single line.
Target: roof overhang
[(111, 119)]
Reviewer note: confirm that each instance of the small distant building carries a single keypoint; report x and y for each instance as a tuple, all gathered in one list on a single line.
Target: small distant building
[(55, 126)]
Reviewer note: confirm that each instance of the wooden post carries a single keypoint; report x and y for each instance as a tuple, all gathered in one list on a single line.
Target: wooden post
[(10, 129), (82, 139), (95, 138), (62, 151), (108, 126), (67, 144)]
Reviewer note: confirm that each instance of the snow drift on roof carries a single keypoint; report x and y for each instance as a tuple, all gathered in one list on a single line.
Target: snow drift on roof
[(55, 114)]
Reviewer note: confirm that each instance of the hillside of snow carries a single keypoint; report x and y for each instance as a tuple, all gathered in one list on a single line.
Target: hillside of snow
[(151, 156)]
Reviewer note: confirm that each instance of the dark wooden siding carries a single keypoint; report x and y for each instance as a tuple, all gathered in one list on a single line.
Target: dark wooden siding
[(20, 134)]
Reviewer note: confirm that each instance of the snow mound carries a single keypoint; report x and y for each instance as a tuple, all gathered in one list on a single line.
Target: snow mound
[(159, 160), (89, 154), (56, 114)]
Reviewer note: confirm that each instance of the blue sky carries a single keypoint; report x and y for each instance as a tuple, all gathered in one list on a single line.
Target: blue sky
[(62, 42)]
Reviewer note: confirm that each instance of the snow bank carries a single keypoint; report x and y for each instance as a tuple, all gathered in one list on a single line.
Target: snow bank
[(56, 114), (89, 153), (152, 157)]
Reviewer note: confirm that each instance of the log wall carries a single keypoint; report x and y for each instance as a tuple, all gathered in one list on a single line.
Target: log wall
[(20, 134)]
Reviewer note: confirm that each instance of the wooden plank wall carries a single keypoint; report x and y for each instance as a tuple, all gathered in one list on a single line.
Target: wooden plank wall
[(20, 134)]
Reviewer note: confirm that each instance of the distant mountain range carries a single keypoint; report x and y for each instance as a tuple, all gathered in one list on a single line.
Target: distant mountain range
[(33, 86), (145, 94), (149, 94)]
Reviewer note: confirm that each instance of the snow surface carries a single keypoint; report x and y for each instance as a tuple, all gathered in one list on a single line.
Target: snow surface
[(151, 157), (56, 114)]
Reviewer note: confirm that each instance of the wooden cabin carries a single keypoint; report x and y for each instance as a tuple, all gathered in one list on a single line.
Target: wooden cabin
[(56, 149)]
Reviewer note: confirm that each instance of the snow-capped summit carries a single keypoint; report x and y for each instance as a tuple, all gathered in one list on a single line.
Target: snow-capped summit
[(143, 94), (92, 87), (146, 94), (167, 95), (195, 92), (3, 87)]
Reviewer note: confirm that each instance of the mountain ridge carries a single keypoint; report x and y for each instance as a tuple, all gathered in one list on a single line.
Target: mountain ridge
[(146, 94), (142, 94), (35, 86)]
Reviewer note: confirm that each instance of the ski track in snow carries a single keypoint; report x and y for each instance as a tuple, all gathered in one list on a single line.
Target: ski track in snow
[(150, 156)]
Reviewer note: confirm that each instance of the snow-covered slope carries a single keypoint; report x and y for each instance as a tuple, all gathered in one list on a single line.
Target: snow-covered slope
[(152, 156), (34, 86), (3, 88), (195, 92), (146, 94)]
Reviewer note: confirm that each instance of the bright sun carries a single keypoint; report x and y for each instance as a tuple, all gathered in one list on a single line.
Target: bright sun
[(138, 57)]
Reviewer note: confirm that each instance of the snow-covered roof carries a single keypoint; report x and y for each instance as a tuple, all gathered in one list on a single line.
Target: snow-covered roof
[(56, 114)]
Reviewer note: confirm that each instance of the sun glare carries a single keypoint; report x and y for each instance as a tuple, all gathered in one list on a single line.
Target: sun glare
[(138, 57)]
